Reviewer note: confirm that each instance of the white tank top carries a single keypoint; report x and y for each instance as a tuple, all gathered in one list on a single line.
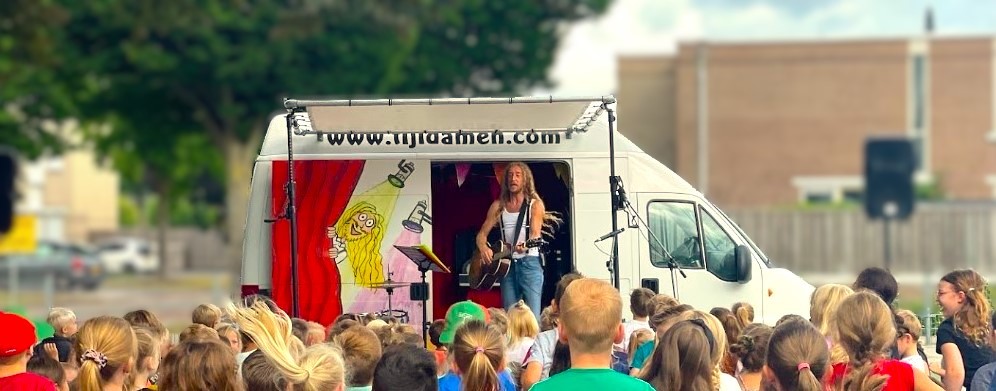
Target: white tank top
[(508, 220)]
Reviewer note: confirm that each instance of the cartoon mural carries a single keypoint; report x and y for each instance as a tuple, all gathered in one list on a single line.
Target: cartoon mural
[(347, 237)]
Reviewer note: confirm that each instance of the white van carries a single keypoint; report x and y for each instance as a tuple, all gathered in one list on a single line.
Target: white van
[(372, 175)]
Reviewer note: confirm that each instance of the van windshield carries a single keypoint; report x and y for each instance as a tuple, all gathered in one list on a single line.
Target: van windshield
[(764, 257)]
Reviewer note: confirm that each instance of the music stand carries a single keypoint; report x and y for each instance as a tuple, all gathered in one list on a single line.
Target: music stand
[(426, 261)]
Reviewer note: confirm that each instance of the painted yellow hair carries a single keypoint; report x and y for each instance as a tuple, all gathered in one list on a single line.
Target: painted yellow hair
[(364, 254)]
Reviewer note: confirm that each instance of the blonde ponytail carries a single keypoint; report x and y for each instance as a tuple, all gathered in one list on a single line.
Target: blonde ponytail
[(103, 346), (478, 351), (319, 367)]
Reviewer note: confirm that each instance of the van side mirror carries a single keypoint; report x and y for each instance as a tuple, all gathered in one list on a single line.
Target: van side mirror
[(744, 263)]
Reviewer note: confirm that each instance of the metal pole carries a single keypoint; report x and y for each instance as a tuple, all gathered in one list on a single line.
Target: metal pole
[(613, 193), (12, 280), (292, 214), (887, 243)]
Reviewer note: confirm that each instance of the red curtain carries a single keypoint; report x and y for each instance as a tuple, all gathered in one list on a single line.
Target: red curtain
[(323, 189)]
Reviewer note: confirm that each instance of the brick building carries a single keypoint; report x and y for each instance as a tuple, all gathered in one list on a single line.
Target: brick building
[(759, 124)]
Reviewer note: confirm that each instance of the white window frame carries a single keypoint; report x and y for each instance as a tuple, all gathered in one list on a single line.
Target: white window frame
[(991, 180), (919, 46), (835, 186), (991, 136)]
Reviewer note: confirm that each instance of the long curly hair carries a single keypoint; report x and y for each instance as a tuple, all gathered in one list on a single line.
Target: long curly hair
[(973, 317), (551, 220), (364, 253)]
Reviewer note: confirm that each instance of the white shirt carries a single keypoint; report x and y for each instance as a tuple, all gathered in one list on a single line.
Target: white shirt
[(508, 220), (517, 353), (916, 362), (728, 383)]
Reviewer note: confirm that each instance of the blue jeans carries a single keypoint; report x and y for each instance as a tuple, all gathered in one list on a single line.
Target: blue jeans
[(524, 282)]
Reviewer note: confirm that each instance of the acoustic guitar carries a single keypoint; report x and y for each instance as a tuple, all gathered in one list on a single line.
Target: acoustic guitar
[(484, 276)]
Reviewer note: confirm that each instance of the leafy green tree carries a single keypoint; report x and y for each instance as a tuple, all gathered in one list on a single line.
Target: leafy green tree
[(220, 67)]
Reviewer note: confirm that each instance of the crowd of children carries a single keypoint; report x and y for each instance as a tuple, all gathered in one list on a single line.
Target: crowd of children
[(853, 340)]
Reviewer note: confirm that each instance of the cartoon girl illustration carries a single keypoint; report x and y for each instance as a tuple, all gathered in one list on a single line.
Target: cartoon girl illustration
[(358, 236)]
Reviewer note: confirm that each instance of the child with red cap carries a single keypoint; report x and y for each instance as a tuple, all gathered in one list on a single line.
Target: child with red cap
[(15, 350)]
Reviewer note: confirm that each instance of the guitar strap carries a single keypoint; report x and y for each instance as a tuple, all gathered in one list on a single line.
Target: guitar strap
[(518, 224)]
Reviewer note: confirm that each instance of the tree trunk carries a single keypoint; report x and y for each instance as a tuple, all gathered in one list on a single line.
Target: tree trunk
[(239, 158), (162, 217)]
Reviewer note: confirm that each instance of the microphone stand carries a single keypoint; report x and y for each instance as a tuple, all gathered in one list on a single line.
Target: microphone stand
[(672, 264)]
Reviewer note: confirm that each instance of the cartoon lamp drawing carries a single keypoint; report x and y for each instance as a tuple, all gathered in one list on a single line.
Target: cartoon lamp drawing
[(405, 169), (417, 217)]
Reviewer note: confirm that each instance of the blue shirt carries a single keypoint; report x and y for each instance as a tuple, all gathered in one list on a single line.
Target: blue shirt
[(452, 382)]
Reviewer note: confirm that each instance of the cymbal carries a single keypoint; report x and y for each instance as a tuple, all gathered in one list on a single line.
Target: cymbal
[(389, 285)]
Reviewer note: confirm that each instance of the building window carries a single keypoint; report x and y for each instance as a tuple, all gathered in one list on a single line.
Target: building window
[(829, 189), (918, 102)]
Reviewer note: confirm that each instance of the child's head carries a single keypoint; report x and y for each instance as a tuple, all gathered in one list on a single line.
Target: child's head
[(457, 314), (148, 320), (318, 367), (824, 303), (299, 327), (259, 374), (147, 357), (879, 281), (731, 325), (206, 314), (63, 321), (200, 364), (16, 340), (229, 334), (521, 323), (865, 333), (197, 331), (316, 334), (50, 368), (660, 303), (548, 319), (639, 302), (962, 297), (790, 318), (341, 326), (660, 321), (562, 285), (683, 358), (405, 368), (590, 316), (752, 347), (908, 329), (361, 351), (499, 319), (398, 334), (478, 351), (744, 313), (435, 329), (105, 348), (797, 357)]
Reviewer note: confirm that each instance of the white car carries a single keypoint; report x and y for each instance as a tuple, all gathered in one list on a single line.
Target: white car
[(128, 255)]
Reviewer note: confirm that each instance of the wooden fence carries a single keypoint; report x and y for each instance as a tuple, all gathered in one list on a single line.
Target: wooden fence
[(938, 237)]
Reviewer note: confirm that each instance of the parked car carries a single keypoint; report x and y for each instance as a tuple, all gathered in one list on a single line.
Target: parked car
[(128, 255), (70, 265)]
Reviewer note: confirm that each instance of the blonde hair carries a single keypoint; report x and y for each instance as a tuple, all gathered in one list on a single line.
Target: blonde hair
[(907, 322), (590, 313), (823, 308), (148, 347), (316, 334), (59, 318), (225, 328), (499, 319), (318, 367), (361, 351), (206, 314), (198, 331), (143, 318), (637, 338), (973, 317), (105, 337), (521, 323), (200, 364), (364, 253), (865, 333), (744, 313), (478, 351)]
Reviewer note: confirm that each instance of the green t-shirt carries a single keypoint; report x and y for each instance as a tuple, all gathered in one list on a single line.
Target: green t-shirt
[(642, 353), (592, 379)]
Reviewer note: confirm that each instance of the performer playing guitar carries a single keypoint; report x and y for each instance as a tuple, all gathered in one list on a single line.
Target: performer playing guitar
[(518, 195)]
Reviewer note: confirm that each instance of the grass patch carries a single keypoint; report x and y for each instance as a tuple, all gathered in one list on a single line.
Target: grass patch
[(186, 282)]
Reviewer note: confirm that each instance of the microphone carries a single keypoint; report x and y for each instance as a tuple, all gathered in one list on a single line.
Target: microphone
[(610, 234)]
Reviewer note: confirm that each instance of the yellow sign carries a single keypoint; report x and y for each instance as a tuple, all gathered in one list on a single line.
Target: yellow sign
[(22, 238)]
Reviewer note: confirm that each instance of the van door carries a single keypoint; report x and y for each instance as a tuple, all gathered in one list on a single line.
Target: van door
[(702, 245)]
